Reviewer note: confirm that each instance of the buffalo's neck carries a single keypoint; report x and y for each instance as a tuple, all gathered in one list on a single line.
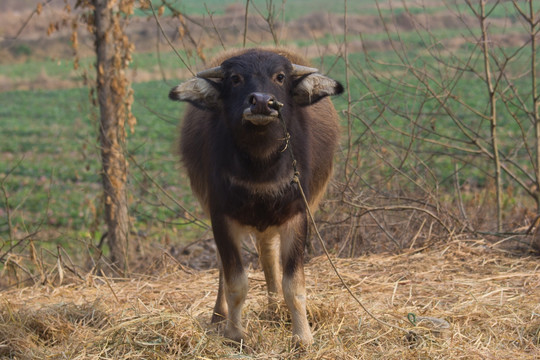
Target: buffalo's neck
[(262, 156), (259, 147), (262, 167)]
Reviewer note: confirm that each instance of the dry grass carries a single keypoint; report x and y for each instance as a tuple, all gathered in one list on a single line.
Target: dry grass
[(487, 302)]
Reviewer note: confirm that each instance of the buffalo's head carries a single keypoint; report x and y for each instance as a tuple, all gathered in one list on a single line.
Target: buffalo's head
[(249, 88)]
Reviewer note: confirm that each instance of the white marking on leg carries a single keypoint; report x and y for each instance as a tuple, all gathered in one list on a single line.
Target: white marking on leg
[(220, 308), (236, 286), (236, 291), (294, 289), (268, 246)]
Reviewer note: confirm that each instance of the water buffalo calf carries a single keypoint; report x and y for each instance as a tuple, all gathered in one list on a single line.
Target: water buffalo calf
[(236, 154)]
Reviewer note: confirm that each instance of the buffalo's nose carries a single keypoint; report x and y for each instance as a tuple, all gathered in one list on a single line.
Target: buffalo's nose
[(260, 103)]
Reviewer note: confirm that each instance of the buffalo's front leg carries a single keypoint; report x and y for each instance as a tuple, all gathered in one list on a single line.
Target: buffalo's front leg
[(293, 237), (220, 309), (234, 281)]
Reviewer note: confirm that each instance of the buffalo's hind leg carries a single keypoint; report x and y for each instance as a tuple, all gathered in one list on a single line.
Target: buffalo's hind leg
[(233, 279), (293, 238), (268, 249)]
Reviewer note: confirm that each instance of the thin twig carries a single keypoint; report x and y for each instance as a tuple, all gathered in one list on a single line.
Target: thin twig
[(26, 22), (336, 271), (6, 198), (349, 95), (210, 14), (194, 220), (245, 23), (168, 40)]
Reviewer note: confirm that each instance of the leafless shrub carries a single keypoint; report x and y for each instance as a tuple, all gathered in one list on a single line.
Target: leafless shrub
[(434, 126)]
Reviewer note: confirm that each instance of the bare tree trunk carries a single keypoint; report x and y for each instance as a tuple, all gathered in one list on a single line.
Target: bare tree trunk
[(534, 26), (111, 135), (492, 114)]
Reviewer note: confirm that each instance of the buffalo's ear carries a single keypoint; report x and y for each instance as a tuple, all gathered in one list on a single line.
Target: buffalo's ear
[(313, 87), (202, 93)]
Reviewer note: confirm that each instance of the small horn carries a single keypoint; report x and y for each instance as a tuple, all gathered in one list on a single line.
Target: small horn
[(299, 70), (215, 72)]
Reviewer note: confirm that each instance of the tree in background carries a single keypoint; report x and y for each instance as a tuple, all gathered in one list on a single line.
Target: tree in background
[(106, 21), (467, 102)]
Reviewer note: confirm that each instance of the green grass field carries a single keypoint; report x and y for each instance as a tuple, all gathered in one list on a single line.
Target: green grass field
[(52, 158), (50, 165)]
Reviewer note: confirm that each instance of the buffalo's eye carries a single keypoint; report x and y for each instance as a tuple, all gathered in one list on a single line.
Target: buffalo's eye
[(280, 78), (236, 79)]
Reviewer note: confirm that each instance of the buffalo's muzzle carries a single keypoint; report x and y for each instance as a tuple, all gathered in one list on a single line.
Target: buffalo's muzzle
[(261, 110)]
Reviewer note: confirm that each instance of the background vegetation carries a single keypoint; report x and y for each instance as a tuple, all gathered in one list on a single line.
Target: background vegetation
[(441, 139)]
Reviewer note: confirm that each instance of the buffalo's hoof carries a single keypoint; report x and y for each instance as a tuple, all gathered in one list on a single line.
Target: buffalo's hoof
[(234, 334), (302, 341)]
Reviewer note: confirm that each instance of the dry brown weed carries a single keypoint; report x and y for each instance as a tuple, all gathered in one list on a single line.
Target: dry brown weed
[(457, 300)]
